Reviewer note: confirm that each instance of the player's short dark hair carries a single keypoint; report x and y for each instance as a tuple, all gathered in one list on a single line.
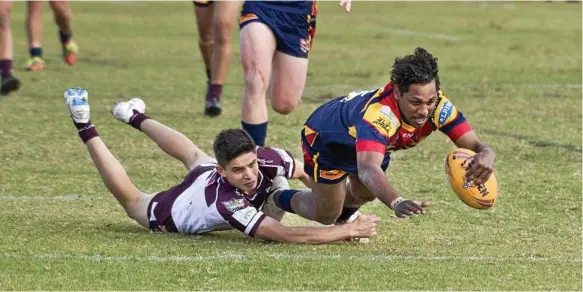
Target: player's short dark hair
[(418, 68), (229, 144)]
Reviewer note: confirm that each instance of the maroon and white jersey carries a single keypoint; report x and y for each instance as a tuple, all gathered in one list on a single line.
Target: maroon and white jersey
[(205, 201)]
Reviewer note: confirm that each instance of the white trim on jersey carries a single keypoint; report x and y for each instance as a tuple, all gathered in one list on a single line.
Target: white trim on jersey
[(286, 159), (251, 224), (292, 169)]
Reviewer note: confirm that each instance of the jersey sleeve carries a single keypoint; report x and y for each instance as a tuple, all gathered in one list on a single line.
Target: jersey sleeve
[(448, 119), (373, 130), (275, 161), (239, 213)]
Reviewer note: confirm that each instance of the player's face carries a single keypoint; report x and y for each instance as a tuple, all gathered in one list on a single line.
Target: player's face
[(242, 172), (416, 104)]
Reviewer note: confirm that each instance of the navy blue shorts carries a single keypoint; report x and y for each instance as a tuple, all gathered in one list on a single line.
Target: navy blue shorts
[(294, 32), (329, 163)]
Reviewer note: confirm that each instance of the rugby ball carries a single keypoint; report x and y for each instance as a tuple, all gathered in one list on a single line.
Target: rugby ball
[(479, 197)]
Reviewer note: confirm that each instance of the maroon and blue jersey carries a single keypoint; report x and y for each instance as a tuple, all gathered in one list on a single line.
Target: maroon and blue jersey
[(368, 121)]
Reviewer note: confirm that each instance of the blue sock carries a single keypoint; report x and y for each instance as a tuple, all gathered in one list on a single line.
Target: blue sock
[(283, 200), (257, 132), (346, 213), (35, 52)]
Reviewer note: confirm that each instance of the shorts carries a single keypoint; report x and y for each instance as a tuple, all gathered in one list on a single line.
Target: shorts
[(160, 212), (294, 33), (329, 162)]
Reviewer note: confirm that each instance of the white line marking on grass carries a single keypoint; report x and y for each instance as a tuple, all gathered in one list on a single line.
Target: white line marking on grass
[(284, 256), (425, 34), (42, 198)]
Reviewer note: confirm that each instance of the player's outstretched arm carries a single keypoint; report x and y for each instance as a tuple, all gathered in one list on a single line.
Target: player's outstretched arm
[(480, 166), (270, 229), (373, 177)]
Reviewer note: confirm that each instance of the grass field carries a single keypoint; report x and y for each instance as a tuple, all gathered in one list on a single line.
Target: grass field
[(514, 69)]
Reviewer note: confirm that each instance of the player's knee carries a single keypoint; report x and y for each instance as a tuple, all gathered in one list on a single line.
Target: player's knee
[(206, 37), (362, 198), (5, 12), (59, 7), (327, 219), (255, 79), (283, 107), (223, 30), (328, 216)]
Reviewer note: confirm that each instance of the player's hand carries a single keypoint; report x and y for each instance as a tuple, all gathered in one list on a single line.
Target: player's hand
[(479, 167), (346, 4), (365, 226), (404, 208)]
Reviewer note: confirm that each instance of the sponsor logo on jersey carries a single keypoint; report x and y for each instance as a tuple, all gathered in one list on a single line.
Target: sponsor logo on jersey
[(244, 216), (234, 204), (384, 123), (445, 112), (382, 118), (388, 112), (264, 161)]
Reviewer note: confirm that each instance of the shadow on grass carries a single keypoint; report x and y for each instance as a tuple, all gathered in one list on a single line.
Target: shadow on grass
[(535, 141)]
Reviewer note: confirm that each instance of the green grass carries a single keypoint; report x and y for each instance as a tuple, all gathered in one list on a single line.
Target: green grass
[(514, 69)]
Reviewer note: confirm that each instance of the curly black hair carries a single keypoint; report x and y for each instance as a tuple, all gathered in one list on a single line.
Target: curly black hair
[(229, 144), (418, 68)]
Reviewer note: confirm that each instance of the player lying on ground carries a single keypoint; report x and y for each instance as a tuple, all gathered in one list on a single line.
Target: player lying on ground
[(230, 194), (353, 136)]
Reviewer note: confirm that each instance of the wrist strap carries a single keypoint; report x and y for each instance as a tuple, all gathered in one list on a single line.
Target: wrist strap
[(396, 202)]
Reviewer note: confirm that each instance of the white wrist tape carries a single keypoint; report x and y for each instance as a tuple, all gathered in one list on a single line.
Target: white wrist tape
[(396, 202)]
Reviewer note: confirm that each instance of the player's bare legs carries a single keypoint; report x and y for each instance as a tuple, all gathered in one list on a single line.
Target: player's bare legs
[(172, 142), (63, 16), (323, 203), (134, 202), (34, 30), (287, 82), (357, 194), (9, 82), (224, 21), (257, 44), (329, 200), (203, 14)]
